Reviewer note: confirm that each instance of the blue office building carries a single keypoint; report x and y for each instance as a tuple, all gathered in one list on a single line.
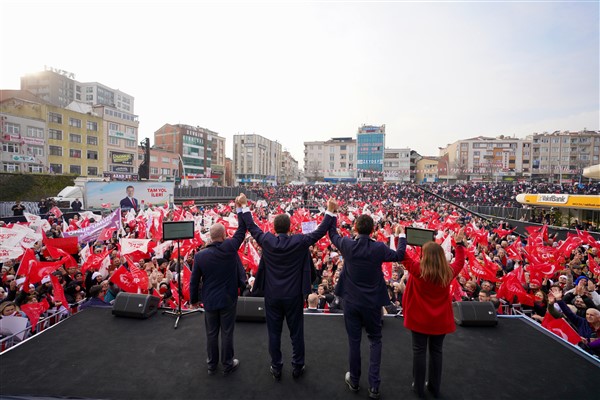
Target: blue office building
[(370, 152)]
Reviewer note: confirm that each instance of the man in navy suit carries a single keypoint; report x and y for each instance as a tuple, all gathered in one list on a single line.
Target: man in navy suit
[(284, 273), (362, 286), (221, 271), (129, 202)]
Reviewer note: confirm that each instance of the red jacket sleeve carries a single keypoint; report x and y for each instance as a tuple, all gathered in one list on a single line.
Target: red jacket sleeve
[(459, 260), (412, 266)]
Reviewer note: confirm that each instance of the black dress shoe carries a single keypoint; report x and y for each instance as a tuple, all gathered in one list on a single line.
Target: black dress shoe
[(374, 393), (352, 386), (212, 371), (430, 390), (276, 374), (298, 372), (414, 389), (234, 365)]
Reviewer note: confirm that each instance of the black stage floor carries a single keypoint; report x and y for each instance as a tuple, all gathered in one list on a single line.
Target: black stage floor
[(95, 355)]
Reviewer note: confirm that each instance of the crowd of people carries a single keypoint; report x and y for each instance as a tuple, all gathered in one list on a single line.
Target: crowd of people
[(543, 275)]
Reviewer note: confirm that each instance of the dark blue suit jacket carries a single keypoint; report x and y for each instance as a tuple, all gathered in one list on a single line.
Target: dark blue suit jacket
[(361, 281), (285, 263), (126, 204), (221, 270)]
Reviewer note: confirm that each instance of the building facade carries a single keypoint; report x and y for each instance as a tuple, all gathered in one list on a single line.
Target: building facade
[(314, 161), (164, 164), (562, 156), (194, 144), (488, 159), (256, 159), (41, 137), (370, 152), (396, 165), (427, 170), (289, 168), (54, 86), (218, 160), (23, 132)]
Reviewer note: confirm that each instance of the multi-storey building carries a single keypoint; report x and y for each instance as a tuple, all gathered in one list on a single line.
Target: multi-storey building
[(256, 159), (194, 144), (313, 161), (370, 149), (414, 158), (41, 137), (120, 130), (289, 168), (333, 160), (427, 170), (560, 156), (23, 132), (486, 159), (396, 165), (164, 164), (60, 88), (218, 159)]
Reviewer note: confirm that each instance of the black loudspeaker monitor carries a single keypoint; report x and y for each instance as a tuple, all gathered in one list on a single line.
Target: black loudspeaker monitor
[(251, 309), (135, 305), (475, 313), (418, 236)]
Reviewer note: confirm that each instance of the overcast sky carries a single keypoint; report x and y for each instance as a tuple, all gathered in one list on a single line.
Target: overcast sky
[(433, 73)]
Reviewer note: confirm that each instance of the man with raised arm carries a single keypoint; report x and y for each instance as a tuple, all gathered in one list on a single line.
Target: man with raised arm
[(284, 275)]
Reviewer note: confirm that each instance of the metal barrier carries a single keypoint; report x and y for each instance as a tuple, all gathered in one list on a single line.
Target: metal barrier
[(47, 319), (6, 208)]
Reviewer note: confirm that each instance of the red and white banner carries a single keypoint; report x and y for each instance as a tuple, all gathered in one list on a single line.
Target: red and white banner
[(129, 246)]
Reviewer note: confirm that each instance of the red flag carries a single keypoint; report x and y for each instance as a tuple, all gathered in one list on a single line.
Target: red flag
[(34, 311), (40, 269), (503, 232), (514, 250), (94, 261), (512, 287), (58, 291), (69, 245), (185, 282), (140, 277), (106, 234), (56, 211), (174, 292), (561, 328), (386, 267), (594, 267), (124, 280), (188, 203), (486, 271)]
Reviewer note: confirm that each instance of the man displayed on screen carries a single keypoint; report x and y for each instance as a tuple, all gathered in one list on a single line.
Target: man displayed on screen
[(129, 202)]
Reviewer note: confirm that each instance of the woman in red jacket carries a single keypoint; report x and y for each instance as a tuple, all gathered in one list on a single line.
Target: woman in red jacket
[(428, 309)]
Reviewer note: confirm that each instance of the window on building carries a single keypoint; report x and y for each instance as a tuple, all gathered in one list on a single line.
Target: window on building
[(74, 153), (10, 167), (92, 140), (37, 151), (154, 171), (89, 97), (92, 155), (75, 169), (10, 147), (74, 138), (165, 171), (92, 126), (56, 168), (166, 160), (34, 132), (56, 151), (35, 169), (12, 129), (113, 140), (331, 157), (75, 122), (130, 143), (55, 117), (55, 134), (91, 171)]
